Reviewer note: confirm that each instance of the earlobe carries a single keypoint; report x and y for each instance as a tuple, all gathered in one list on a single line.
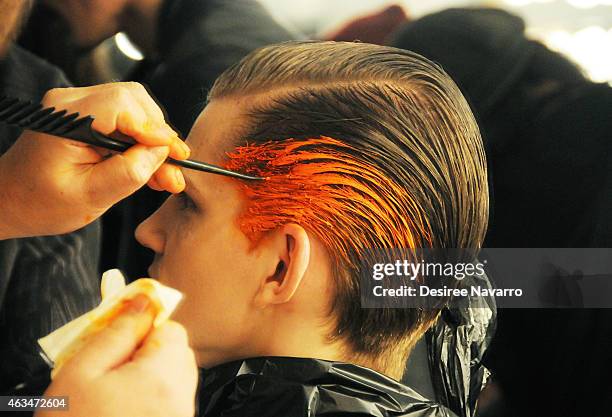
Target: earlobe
[(294, 256)]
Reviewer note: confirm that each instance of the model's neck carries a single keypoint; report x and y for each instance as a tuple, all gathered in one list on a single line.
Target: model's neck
[(139, 21), (300, 339)]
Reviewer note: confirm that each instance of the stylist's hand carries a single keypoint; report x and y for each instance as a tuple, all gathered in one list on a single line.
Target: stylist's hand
[(52, 186), (127, 371)]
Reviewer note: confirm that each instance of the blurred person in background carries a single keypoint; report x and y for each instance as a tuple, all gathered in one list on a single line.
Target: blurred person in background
[(186, 44), (45, 281), (375, 27), (48, 271), (547, 133)]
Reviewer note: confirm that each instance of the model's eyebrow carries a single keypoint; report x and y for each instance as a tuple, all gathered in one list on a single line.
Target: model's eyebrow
[(192, 190)]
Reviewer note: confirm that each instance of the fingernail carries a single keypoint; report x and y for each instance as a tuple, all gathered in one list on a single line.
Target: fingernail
[(138, 304), (179, 178), (186, 150)]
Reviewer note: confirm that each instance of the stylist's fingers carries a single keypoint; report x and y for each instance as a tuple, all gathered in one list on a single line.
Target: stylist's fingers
[(116, 343), (156, 131), (146, 101), (166, 343), (153, 184), (122, 174), (123, 107), (147, 131), (170, 178), (165, 357)]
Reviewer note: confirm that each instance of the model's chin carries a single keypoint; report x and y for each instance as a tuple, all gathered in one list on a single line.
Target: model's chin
[(153, 271), (158, 275)]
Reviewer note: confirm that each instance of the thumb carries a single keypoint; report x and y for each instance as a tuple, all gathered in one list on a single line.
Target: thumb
[(121, 175), (165, 342), (165, 349), (116, 343)]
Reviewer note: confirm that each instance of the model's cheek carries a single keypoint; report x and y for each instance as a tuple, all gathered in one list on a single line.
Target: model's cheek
[(167, 267), (180, 242), (160, 273), (181, 265)]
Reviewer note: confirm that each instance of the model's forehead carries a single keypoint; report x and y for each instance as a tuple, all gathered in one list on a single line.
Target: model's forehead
[(212, 135)]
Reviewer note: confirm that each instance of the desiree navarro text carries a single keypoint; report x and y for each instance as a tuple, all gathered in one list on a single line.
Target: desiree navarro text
[(424, 291)]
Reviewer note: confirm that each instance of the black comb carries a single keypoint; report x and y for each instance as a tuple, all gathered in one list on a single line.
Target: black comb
[(34, 116)]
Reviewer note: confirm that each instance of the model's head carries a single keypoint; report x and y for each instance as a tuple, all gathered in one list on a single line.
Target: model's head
[(363, 147)]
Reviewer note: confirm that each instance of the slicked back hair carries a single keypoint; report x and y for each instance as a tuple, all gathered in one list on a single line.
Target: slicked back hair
[(383, 152)]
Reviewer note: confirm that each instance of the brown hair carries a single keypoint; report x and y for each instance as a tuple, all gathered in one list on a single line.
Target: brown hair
[(391, 112)]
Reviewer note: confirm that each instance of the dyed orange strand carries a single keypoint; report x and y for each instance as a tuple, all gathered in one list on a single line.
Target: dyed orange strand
[(350, 205)]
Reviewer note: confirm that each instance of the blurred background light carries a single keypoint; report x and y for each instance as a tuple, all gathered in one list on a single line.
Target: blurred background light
[(587, 4), (579, 29), (591, 47), (127, 47)]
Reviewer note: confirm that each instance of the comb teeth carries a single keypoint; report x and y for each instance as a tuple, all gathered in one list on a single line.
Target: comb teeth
[(26, 114)]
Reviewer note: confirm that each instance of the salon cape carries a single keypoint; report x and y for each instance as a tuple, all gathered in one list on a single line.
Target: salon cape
[(300, 387)]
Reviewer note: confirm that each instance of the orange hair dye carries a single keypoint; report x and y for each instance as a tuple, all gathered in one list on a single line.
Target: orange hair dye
[(350, 205)]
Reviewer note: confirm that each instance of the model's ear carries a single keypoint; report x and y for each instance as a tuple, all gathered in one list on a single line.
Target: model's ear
[(291, 246)]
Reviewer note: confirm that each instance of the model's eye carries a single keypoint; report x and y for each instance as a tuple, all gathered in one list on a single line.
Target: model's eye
[(185, 202)]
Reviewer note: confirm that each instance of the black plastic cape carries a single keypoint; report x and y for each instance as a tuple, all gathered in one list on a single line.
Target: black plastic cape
[(456, 345), (299, 387)]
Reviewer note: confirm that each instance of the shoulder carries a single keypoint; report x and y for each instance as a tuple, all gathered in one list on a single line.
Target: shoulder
[(27, 76), (223, 32), (272, 386), (24, 75)]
